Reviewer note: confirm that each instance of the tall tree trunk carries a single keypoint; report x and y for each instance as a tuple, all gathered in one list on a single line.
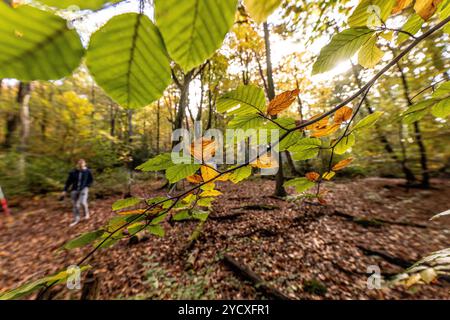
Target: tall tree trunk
[(23, 99), (210, 110), (112, 123), (130, 160), (12, 121), (184, 100), (417, 133), (409, 175), (279, 188)]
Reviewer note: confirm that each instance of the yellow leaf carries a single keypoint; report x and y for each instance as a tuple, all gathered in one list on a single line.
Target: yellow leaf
[(203, 149), (195, 178), (343, 114), (401, 4), (342, 164), (428, 275), (328, 175), (388, 35), (208, 173), (426, 8), (210, 193), (312, 176), (224, 177), (265, 162), (282, 101), (321, 124), (326, 131), (413, 279)]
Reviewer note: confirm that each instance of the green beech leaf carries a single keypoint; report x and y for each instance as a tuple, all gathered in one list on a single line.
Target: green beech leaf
[(441, 109), (156, 230), (370, 54), (82, 4), (127, 58), (412, 26), (306, 148), (341, 47), (246, 121), (345, 144), (125, 203), (300, 184), (260, 10), (417, 111), (194, 29), (241, 174), (36, 45), (369, 12), (36, 285), (243, 100), (160, 162), (83, 240), (367, 121), (180, 171)]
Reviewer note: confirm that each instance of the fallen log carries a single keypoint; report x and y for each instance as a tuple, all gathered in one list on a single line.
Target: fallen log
[(389, 258), (257, 281)]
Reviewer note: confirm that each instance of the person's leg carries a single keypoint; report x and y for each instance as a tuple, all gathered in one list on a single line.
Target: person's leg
[(84, 202), (76, 207)]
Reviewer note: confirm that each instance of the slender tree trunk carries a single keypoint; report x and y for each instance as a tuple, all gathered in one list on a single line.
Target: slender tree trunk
[(409, 175), (23, 99), (417, 132), (184, 100), (279, 188), (210, 110)]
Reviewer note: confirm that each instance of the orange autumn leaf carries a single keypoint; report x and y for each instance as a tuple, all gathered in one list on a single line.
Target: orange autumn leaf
[(208, 173), (203, 149), (342, 164), (312, 176), (265, 162), (343, 114), (195, 178), (129, 212), (321, 124), (426, 8), (326, 131), (282, 101), (401, 4)]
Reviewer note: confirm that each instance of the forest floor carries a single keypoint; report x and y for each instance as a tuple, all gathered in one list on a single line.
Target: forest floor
[(305, 250)]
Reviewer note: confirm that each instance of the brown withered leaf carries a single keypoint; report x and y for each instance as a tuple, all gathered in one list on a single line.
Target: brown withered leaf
[(195, 178), (343, 114), (426, 8), (203, 149), (342, 164), (282, 101), (312, 176), (326, 131), (401, 4)]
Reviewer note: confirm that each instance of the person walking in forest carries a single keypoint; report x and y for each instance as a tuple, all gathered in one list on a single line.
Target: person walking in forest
[(78, 183)]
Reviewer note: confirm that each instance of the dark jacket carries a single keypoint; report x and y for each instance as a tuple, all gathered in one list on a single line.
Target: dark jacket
[(78, 180)]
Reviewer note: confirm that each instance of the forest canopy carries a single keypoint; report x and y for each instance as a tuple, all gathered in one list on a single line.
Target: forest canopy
[(351, 88)]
